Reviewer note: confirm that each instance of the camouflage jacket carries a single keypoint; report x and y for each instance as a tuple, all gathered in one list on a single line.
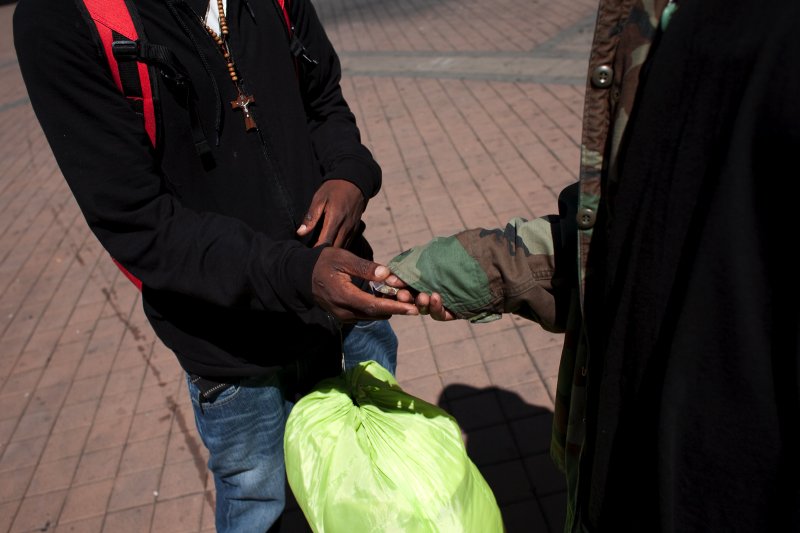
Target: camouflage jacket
[(537, 268)]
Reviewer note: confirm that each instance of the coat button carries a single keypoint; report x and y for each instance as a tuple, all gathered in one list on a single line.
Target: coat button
[(586, 217), (602, 76)]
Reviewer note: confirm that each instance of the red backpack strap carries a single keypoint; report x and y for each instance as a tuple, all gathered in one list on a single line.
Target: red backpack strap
[(296, 47), (285, 9), (113, 21), (133, 279)]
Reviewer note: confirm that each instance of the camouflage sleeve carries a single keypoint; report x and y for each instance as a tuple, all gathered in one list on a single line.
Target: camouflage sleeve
[(482, 273)]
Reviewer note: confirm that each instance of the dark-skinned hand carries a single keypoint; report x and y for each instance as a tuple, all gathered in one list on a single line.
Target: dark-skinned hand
[(427, 304), (334, 291), (339, 204)]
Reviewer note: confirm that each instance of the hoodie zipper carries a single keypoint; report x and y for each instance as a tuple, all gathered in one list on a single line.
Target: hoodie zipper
[(266, 148)]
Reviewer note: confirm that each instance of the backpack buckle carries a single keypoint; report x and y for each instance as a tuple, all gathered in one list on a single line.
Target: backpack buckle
[(125, 50), (299, 51)]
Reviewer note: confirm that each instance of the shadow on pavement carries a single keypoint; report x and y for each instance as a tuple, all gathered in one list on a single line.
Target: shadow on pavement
[(508, 440)]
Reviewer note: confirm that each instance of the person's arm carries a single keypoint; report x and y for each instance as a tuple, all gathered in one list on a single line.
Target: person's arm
[(526, 268), (351, 174), (104, 154)]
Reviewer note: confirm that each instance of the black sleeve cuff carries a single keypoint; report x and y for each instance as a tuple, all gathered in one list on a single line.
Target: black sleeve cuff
[(366, 175)]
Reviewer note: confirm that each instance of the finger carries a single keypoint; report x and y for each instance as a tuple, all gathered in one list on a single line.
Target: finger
[(344, 238), (437, 309), (360, 305), (347, 264), (341, 228), (380, 272), (405, 296), (340, 240), (311, 218), (364, 268), (326, 235), (422, 301), (386, 307), (395, 282)]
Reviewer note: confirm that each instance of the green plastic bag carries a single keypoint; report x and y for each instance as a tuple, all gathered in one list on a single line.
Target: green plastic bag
[(364, 456)]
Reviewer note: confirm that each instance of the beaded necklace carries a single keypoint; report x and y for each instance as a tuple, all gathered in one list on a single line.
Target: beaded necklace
[(242, 101)]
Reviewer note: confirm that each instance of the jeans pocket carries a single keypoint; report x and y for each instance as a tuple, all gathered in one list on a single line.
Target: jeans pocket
[(206, 394), (366, 324), (228, 394)]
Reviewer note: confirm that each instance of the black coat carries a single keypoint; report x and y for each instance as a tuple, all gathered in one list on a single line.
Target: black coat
[(694, 414)]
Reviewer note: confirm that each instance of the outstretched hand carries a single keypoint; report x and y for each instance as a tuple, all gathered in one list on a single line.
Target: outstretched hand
[(427, 304), (334, 291)]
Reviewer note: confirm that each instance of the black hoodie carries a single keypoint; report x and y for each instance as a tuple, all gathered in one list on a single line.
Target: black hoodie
[(226, 282)]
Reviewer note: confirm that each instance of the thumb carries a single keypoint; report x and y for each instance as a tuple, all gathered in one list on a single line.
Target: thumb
[(310, 220), (353, 265), (380, 273)]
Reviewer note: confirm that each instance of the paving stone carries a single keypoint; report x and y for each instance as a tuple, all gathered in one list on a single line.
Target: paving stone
[(474, 120)]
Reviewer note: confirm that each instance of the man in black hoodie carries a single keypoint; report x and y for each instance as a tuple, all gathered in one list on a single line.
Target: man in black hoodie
[(243, 224)]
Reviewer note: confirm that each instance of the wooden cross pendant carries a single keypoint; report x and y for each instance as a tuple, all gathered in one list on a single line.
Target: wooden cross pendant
[(243, 102)]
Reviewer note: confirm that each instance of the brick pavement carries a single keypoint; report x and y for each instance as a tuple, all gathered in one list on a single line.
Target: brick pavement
[(474, 114)]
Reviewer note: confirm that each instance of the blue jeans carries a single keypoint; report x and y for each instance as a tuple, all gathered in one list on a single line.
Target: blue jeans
[(371, 340), (242, 429)]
